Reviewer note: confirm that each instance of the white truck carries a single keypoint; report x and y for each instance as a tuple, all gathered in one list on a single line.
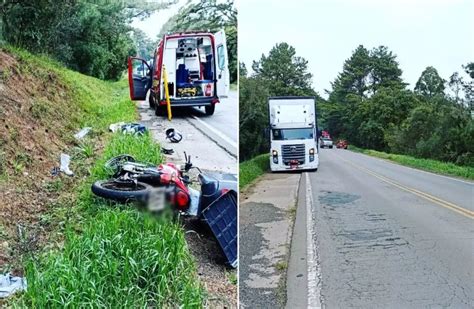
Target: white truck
[(293, 133)]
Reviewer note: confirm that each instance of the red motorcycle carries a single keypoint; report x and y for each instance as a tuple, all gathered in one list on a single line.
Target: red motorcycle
[(168, 185)]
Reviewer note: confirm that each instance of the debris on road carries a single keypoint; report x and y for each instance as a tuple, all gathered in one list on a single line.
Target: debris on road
[(173, 135), (167, 151), (9, 285), (83, 132)]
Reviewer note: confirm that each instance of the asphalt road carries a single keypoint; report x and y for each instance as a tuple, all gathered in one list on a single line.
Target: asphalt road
[(389, 236), (223, 126)]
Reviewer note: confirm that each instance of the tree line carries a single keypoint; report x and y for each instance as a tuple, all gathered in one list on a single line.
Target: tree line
[(95, 37), (369, 104)]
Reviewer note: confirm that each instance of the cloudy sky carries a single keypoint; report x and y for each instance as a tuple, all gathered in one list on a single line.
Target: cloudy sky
[(325, 32), (152, 25)]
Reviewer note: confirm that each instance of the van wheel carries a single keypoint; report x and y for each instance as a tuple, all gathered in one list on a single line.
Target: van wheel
[(210, 109), (151, 101), (160, 110)]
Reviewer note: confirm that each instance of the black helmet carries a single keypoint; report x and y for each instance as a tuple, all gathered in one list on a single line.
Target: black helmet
[(173, 135)]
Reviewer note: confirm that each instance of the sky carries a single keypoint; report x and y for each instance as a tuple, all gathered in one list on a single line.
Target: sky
[(152, 25), (421, 33)]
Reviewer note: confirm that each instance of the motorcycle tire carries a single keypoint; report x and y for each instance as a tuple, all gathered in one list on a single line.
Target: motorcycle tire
[(121, 191)]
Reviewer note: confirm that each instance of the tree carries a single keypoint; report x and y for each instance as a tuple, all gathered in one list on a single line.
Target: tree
[(354, 76), (253, 117), (365, 72), (430, 83), (284, 72), (456, 83), (88, 37), (143, 44), (468, 86), (384, 70), (242, 70)]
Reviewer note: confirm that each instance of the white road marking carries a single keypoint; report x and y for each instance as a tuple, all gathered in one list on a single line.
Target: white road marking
[(313, 268), (217, 132)]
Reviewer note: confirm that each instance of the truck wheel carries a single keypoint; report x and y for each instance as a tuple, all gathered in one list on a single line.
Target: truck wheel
[(151, 101), (210, 109), (330, 147)]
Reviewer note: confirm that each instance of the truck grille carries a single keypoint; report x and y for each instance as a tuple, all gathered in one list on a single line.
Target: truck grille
[(293, 152)]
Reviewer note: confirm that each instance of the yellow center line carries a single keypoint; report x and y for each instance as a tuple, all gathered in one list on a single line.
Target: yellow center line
[(465, 212)]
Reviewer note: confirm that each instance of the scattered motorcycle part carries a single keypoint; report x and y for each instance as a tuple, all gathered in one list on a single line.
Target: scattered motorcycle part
[(221, 216), (173, 135), (122, 191), (167, 151), (114, 164)]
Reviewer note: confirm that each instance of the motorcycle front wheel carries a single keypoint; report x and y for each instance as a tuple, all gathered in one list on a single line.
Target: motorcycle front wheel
[(121, 191)]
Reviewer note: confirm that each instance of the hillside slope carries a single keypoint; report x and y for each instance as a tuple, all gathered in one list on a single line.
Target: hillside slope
[(76, 249), (41, 106)]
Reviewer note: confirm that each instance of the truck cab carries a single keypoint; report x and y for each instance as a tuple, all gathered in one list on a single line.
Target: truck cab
[(293, 134), (196, 68)]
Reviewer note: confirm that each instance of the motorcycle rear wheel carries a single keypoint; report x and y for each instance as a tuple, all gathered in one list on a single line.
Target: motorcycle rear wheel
[(121, 191)]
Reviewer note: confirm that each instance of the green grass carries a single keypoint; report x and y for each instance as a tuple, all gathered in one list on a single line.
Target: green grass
[(121, 257), (252, 169), (423, 164), (233, 87), (102, 254)]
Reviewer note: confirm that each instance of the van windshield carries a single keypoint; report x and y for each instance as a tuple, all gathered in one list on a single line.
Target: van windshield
[(289, 134)]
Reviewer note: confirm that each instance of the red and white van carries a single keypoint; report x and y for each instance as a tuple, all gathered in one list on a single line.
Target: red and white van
[(197, 70)]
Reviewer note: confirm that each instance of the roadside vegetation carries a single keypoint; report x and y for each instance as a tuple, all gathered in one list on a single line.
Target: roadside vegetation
[(429, 165), (76, 249), (116, 256), (369, 105), (252, 169)]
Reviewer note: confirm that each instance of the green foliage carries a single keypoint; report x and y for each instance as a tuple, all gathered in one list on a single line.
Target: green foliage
[(120, 250), (88, 36), (284, 71), (251, 169), (370, 107), (430, 83), (253, 117), (424, 164), (208, 15), (144, 45), (278, 74), (365, 72), (111, 255)]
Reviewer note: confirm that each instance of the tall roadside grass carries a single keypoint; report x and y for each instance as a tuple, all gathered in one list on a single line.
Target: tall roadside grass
[(423, 164), (119, 257), (252, 169), (101, 254)]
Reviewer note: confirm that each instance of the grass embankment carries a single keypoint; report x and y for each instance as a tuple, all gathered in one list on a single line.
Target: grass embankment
[(95, 253), (121, 257), (423, 164), (252, 169)]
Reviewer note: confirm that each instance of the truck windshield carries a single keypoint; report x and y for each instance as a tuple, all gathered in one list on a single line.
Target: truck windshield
[(289, 134)]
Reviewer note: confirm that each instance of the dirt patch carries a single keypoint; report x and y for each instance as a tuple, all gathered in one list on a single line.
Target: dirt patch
[(219, 280), (36, 121)]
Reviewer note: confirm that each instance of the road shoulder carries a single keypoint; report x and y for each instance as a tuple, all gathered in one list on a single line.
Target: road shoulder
[(266, 216)]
